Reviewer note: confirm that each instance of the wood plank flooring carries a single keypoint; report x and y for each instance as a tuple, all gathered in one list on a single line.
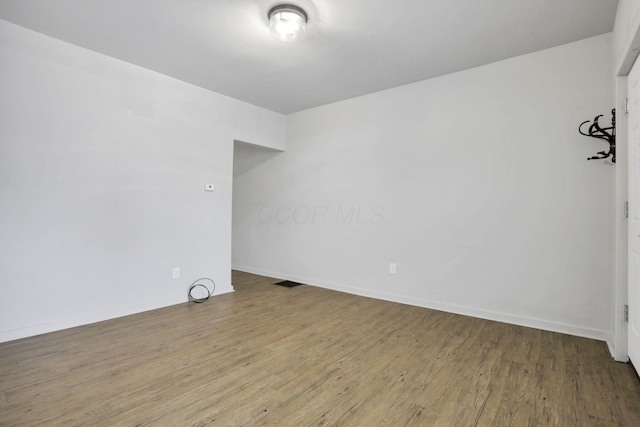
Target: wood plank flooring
[(267, 355)]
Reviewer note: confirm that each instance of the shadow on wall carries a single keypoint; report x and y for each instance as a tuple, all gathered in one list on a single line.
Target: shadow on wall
[(247, 156)]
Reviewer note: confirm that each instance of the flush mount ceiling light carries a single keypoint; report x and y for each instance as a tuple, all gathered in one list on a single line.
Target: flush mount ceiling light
[(287, 22)]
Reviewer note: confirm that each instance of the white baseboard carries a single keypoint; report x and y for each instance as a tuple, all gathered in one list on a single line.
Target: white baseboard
[(545, 325), (99, 316)]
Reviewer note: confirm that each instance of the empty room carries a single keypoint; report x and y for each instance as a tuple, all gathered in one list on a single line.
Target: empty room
[(319, 213)]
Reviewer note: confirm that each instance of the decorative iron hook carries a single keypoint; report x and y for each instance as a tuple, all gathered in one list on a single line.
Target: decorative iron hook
[(608, 134)]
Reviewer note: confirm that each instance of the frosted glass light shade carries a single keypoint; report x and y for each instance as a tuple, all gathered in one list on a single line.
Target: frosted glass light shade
[(287, 22)]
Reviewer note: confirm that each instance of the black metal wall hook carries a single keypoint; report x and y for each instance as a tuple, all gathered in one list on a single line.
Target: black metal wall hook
[(608, 134)]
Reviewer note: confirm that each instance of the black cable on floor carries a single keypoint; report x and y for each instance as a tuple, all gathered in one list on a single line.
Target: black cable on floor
[(197, 284)]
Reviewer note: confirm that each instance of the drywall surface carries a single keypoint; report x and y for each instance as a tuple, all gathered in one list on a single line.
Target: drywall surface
[(625, 35), (476, 185), (102, 173)]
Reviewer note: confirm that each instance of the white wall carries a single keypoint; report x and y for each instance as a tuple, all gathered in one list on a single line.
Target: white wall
[(245, 158), (625, 35), (102, 172), (475, 184)]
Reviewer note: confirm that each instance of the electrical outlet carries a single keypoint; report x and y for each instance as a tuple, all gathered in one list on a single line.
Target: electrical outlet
[(176, 272), (392, 268)]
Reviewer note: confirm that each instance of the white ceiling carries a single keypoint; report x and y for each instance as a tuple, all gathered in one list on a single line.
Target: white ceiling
[(352, 47)]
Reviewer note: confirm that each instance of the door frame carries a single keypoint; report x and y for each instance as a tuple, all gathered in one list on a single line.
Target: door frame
[(618, 343)]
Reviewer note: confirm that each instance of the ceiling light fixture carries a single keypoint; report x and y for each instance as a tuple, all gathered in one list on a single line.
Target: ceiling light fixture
[(287, 22)]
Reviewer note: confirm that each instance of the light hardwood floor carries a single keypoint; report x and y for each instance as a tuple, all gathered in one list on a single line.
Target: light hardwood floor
[(267, 355)]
